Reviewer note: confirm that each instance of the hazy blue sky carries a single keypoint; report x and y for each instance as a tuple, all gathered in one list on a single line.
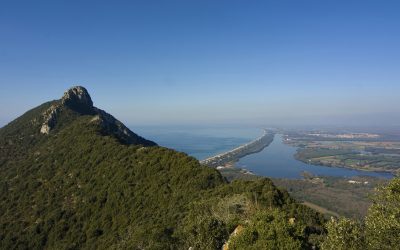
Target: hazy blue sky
[(206, 62)]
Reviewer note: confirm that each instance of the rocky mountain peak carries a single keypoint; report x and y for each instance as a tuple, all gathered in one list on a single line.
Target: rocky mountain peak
[(78, 98)]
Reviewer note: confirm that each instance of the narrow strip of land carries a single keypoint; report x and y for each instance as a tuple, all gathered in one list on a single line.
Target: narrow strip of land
[(235, 154)]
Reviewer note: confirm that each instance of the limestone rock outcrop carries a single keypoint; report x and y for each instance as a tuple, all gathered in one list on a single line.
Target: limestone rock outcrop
[(78, 99), (50, 119)]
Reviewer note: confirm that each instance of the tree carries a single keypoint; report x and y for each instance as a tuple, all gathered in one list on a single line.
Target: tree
[(382, 224), (269, 229), (343, 234), (383, 218)]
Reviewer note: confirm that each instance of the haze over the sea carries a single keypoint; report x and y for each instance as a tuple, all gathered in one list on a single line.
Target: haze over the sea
[(207, 62)]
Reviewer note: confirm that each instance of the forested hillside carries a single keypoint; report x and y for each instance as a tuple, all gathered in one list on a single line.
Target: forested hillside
[(85, 182)]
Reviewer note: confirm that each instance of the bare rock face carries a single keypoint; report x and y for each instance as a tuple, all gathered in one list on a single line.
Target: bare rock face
[(78, 99), (50, 119)]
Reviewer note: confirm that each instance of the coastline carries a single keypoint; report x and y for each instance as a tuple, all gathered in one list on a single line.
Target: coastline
[(228, 158)]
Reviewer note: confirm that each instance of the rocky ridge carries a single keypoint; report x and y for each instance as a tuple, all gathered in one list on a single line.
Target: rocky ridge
[(78, 99)]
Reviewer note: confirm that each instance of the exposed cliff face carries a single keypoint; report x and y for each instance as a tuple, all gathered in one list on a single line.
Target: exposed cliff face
[(50, 119), (78, 99)]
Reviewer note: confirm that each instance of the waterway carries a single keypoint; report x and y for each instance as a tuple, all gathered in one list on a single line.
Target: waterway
[(277, 160)]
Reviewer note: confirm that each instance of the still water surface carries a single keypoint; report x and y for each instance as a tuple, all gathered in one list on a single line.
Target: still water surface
[(200, 143), (276, 160)]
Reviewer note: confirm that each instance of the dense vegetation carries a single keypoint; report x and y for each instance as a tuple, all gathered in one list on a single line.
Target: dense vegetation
[(381, 229), (81, 187)]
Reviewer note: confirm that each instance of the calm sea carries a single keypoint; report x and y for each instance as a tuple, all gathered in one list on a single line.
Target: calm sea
[(200, 143)]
